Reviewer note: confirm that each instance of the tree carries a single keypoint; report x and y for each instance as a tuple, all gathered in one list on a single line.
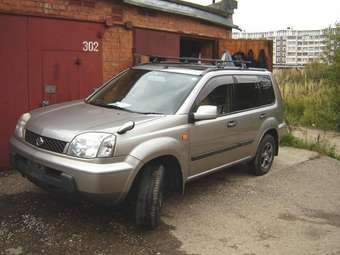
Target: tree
[(332, 43), (332, 58)]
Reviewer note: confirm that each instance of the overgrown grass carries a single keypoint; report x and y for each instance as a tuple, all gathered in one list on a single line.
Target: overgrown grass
[(312, 94), (323, 148), (309, 99)]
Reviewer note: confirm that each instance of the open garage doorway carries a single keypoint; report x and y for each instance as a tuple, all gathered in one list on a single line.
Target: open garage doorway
[(197, 48)]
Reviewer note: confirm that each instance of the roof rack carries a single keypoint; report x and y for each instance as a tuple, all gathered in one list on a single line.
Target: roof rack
[(219, 63), (205, 64)]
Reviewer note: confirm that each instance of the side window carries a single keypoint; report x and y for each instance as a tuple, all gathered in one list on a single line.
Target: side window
[(219, 95), (246, 95), (267, 91), (251, 92)]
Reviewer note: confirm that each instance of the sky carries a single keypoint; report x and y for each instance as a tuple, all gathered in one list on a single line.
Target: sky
[(267, 15)]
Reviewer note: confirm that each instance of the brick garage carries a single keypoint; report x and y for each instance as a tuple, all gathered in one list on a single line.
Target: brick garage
[(115, 16), (58, 50)]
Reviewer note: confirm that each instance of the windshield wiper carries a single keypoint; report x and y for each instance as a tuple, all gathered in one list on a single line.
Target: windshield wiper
[(158, 113), (111, 106), (102, 103)]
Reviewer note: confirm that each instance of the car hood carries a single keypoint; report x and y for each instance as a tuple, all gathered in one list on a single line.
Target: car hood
[(65, 121)]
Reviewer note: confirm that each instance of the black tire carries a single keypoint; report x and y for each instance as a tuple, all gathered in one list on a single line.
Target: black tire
[(150, 197), (264, 157)]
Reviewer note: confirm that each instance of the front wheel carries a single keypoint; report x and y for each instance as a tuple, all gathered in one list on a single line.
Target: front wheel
[(150, 196), (264, 158)]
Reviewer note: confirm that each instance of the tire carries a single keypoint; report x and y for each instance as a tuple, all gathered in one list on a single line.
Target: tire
[(150, 197), (264, 157)]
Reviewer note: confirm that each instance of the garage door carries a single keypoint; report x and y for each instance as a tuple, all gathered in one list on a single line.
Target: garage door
[(13, 78), (44, 61)]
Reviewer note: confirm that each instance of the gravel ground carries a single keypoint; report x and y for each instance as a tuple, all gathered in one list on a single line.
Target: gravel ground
[(33, 222), (292, 210)]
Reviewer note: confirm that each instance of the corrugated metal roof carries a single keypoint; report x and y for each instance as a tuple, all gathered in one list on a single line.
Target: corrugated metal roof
[(206, 13)]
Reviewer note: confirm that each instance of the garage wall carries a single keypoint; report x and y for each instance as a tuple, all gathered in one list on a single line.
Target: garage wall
[(117, 40), (117, 50), (156, 43)]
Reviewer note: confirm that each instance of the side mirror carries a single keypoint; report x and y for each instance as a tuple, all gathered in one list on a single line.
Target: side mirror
[(206, 112)]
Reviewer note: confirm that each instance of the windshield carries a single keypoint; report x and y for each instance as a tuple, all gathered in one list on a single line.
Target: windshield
[(146, 92)]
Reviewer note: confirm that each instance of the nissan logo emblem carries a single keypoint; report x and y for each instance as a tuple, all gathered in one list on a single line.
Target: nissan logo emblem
[(39, 141)]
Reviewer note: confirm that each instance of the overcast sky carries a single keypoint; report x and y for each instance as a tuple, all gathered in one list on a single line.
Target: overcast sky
[(265, 15)]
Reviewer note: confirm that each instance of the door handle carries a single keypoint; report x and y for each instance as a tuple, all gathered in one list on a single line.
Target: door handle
[(231, 124), (262, 116)]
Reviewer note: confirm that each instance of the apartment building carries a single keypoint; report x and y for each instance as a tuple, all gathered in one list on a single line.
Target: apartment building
[(291, 48)]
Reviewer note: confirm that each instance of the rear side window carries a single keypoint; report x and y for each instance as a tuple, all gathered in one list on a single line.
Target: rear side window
[(251, 92), (267, 95), (246, 93)]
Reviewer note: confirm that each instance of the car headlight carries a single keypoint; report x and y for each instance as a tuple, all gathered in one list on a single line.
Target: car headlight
[(20, 127), (92, 145)]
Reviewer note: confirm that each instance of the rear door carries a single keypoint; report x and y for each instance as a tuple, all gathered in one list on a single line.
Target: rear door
[(253, 99)]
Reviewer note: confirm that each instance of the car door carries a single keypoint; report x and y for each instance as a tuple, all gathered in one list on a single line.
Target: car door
[(212, 140), (249, 110)]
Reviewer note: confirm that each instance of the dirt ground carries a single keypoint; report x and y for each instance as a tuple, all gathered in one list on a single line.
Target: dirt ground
[(292, 210)]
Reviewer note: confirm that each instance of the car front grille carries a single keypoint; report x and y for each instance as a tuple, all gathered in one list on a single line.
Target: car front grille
[(45, 143)]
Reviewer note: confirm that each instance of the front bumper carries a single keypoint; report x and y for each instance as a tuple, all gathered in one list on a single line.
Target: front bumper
[(108, 181)]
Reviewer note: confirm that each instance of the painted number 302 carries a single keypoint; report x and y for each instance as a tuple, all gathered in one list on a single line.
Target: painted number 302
[(90, 46)]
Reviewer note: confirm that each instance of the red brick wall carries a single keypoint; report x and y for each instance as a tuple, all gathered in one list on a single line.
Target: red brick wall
[(117, 51), (117, 41)]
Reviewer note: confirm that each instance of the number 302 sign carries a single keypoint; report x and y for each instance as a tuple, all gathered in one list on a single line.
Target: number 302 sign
[(90, 46)]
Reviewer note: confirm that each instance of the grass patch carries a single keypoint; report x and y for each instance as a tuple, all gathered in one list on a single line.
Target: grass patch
[(320, 147), (310, 100)]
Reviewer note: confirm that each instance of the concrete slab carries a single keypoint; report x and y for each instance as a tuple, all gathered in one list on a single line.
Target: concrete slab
[(293, 210)]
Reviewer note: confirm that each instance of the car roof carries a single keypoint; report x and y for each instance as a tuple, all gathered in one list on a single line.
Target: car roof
[(198, 69)]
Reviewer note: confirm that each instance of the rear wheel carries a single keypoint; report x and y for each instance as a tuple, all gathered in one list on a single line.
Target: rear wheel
[(150, 196), (264, 158)]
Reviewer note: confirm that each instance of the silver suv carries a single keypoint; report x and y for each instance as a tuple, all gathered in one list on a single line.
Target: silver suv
[(150, 130)]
